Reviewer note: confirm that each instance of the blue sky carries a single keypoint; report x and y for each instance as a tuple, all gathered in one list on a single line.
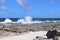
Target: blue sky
[(38, 9)]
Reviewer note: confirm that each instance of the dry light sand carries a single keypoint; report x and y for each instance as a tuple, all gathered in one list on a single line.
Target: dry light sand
[(26, 36)]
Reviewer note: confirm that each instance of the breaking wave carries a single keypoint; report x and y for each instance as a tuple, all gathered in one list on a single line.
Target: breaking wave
[(29, 20)]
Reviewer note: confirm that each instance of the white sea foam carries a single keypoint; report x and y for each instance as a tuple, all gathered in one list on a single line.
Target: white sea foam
[(7, 20), (28, 20), (54, 21)]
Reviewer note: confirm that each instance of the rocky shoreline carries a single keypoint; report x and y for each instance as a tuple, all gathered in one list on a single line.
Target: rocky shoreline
[(20, 29)]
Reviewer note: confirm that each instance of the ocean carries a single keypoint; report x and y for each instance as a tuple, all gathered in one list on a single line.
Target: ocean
[(33, 19)]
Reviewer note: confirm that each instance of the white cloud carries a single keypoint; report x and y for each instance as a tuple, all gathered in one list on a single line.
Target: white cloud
[(3, 8), (2, 1), (20, 2), (23, 4)]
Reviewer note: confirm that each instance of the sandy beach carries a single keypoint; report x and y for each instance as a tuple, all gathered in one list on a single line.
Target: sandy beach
[(26, 36)]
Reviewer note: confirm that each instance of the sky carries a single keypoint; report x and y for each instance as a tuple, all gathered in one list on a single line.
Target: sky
[(33, 8)]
